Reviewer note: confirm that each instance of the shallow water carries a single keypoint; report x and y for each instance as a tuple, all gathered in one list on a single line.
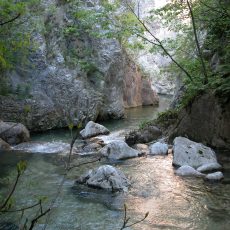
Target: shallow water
[(173, 202)]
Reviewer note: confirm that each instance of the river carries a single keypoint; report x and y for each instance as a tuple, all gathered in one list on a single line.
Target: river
[(172, 202)]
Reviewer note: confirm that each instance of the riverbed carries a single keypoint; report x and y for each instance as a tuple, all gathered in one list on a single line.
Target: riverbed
[(172, 202)]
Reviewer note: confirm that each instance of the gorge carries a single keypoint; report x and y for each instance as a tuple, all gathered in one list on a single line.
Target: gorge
[(100, 122)]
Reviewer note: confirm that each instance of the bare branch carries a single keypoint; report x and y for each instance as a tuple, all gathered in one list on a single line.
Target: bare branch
[(21, 209), (160, 44), (35, 220), (197, 44), (11, 192), (11, 20)]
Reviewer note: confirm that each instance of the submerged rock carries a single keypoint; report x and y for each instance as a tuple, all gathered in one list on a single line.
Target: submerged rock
[(105, 177), (13, 133), (158, 149), (209, 167), (187, 152), (93, 129), (4, 145), (118, 150), (187, 170), (215, 176), (146, 135)]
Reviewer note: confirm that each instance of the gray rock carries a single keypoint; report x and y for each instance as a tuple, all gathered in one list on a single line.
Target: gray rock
[(145, 135), (105, 177), (149, 96), (93, 129), (13, 133), (118, 150), (187, 170), (57, 86), (158, 149), (215, 176), (4, 145), (211, 128), (209, 167), (187, 152)]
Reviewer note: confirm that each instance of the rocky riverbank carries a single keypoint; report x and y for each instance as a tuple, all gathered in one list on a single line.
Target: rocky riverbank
[(205, 119)]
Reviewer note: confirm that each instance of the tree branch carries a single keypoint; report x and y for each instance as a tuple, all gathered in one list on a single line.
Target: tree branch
[(197, 44), (11, 193), (160, 44), (11, 20)]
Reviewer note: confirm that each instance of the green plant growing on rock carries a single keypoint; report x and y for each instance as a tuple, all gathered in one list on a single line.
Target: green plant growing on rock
[(15, 41)]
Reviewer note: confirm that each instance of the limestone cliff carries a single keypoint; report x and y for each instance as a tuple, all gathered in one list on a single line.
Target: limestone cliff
[(70, 78)]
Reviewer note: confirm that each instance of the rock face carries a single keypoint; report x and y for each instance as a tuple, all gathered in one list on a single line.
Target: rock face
[(68, 77), (158, 149), (93, 129), (205, 120), (4, 145), (149, 96), (118, 150), (105, 177), (187, 152), (187, 170), (143, 136), (13, 133)]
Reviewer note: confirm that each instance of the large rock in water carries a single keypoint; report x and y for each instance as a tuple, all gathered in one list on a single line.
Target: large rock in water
[(158, 149), (215, 176), (206, 120), (105, 177), (187, 152), (187, 170), (93, 129), (118, 150), (209, 167), (145, 135), (13, 133)]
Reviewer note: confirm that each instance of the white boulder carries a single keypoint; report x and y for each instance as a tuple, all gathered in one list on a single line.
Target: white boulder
[(93, 129), (105, 177), (158, 149), (187, 152), (209, 167), (118, 150), (215, 176), (187, 170)]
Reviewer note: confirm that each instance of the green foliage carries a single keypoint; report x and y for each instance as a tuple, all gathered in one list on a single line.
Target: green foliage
[(144, 124), (167, 118), (212, 20), (27, 109), (15, 41), (21, 167)]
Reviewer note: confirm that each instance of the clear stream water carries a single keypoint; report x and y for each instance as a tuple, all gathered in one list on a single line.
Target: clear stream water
[(173, 202)]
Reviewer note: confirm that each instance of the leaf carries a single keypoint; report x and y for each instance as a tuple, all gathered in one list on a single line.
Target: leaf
[(21, 167)]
